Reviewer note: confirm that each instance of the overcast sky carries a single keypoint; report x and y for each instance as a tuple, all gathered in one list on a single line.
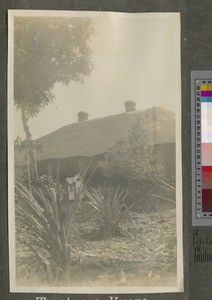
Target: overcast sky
[(135, 57)]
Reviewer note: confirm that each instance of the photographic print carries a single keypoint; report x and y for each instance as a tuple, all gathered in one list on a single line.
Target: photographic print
[(94, 152)]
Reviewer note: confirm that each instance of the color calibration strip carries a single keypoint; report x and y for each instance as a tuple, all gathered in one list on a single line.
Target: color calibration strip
[(204, 147), (206, 144), (201, 130)]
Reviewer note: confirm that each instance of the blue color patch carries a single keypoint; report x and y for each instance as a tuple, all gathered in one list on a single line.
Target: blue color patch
[(206, 99)]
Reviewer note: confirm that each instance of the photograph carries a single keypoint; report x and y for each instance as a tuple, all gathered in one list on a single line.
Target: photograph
[(94, 152)]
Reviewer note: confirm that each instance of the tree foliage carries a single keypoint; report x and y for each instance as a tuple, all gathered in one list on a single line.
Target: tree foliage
[(48, 50), (134, 160)]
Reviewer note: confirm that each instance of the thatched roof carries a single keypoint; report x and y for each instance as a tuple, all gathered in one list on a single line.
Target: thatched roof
[(93, 137)]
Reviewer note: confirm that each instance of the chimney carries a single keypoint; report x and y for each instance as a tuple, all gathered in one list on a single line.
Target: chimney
[(82, 116), (129, 106)]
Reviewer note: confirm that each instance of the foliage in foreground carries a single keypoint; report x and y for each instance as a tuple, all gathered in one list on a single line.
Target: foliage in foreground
[(51, 260), (109, 206), (44, 234)]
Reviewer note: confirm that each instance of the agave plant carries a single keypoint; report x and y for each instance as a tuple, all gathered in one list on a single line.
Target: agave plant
[(167, 191), (109, 206), (47, 234)]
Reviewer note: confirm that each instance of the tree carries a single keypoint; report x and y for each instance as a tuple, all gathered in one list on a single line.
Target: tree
[(134, 160), (47, 50), (137, 164)]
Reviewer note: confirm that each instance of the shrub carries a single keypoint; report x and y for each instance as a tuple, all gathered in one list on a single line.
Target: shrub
[(134, 160), (109, 206)]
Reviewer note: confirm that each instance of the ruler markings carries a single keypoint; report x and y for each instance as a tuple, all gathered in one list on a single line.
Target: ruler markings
[(202, 257), (202, 247)]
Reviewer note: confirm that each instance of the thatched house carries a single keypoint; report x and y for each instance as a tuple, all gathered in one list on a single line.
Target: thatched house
[(68, 150)]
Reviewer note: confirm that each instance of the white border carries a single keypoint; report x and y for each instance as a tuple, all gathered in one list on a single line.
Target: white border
[(12, 262)]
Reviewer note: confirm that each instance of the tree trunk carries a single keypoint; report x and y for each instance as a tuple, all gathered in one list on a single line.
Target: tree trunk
[(50, 168), (58, 172), (29, 149)]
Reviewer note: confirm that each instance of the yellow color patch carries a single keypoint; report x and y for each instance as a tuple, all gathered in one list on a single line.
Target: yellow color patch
[(206, 87)]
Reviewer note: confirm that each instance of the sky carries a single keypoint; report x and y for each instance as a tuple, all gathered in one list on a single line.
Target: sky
[(135, 57)]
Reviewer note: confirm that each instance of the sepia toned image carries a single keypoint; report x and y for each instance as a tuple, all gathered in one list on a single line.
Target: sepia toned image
[(94, 159)]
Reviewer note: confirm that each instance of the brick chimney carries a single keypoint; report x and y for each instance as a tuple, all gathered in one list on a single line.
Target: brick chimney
[(82, 116), (129, 106)]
